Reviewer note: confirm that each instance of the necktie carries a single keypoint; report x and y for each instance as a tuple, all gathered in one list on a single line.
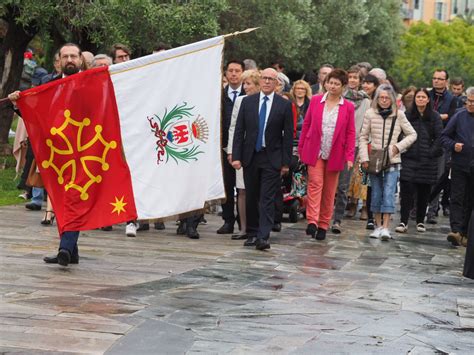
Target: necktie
[(235, 92), (261, 124)]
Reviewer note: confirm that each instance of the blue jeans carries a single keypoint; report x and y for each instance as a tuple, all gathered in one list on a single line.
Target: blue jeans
[(37, 196), (383, 191), (69, 242)]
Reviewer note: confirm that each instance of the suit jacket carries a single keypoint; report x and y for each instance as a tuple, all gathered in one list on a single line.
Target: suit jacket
[(227, 106), (278, 131), (343, 141)]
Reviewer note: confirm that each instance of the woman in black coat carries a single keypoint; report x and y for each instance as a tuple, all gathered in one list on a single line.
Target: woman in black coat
[(419, 169)]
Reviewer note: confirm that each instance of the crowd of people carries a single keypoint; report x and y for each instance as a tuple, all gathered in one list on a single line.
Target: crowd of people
[(352, 138)]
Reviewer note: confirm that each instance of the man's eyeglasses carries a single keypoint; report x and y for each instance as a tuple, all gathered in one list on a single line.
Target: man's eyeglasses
[(267, 78), (470, 102), (439, 79)]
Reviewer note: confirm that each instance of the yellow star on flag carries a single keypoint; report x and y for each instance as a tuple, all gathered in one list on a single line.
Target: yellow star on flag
[(118, 205)]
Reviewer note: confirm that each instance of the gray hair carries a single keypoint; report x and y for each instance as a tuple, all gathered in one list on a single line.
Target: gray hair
[(283, 79), (379, 73), (250, 64), (470, 91), (102, 56), (390, 91)]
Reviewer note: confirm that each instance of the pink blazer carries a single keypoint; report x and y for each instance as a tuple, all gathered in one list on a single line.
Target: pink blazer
[(343, 142)]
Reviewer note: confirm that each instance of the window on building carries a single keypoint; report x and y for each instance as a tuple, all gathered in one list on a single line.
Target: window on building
[(439, 15), (417, 4)]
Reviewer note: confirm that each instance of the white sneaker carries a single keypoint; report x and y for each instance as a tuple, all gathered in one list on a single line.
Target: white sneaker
[(131, 230), (402, 228), (420, 227), (376, 233), (385, 234)]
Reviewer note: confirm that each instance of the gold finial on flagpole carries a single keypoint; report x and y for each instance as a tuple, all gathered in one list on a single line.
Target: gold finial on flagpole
[(248, 30)]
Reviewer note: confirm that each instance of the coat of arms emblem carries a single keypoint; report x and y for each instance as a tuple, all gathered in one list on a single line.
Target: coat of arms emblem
[(179, 134)]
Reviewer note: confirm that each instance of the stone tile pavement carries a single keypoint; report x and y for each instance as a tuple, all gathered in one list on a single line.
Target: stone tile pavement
[(160, 293)]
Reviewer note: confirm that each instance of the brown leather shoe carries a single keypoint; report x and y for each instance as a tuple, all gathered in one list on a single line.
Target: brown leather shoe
[(363, 214), (455, 238)]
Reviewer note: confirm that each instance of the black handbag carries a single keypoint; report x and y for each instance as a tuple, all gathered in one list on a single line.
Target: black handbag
[(379, 159)]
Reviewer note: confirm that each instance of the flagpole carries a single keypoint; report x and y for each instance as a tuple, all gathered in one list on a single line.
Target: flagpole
[(248, 30)]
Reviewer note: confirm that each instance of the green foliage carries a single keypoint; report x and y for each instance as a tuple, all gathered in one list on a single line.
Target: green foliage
[(437, 45), (100, 23), (305, 34), (8, 191), (302, 33)]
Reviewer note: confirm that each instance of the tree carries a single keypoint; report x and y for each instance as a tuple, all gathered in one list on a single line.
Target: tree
[(283, 32), (96, 25), (305, 33), (426, 47)]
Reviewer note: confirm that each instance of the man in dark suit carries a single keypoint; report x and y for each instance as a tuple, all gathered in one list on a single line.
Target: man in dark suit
[(262, 146), (234, 89)]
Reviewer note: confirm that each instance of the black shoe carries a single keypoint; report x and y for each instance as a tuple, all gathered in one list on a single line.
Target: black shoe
[(192, 233), (261, 244), (321, 235), (250, 242), (33, 206), (446, 212), (181, 228), (64, 257), (370, 225), (276, 227), (54, 259), (336, 228), (159, 226), (105, 229), (431, 220), (311, 230), (239, 236), (143, 227), (226, 228)]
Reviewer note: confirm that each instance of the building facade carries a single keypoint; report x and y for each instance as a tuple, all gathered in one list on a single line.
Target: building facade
[(441, 10)]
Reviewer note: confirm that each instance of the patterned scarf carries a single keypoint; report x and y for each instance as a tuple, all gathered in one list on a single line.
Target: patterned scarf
[(355, 96)]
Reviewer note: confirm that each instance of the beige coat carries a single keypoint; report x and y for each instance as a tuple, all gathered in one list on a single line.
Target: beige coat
[(373, 126)]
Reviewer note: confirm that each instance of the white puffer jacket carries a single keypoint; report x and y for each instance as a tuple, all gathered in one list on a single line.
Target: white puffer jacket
[(373, 127)]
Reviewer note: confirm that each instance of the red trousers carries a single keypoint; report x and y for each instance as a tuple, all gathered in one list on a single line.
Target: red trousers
[(322, 185)]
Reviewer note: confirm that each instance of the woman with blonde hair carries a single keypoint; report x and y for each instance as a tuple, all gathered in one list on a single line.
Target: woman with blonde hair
[(251, 84)]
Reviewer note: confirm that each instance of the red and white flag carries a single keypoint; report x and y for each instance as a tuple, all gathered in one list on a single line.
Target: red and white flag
[(139, 139)]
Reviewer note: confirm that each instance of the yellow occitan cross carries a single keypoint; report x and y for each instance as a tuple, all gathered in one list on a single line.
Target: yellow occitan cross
[(79, 148), (118, 205)]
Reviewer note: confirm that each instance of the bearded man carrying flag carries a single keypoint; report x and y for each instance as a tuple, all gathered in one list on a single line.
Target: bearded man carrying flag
[(85, 125), (71, 63)]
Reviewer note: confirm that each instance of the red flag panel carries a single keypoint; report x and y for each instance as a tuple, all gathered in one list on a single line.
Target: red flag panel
[(74, 130)]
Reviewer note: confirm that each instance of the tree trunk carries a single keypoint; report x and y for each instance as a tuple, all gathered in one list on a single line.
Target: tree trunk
[(11, 65)]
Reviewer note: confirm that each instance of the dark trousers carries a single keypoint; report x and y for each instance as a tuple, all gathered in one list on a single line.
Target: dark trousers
[(69, 242), (26, 169), (228, 206), (368, 201), (262, 181), (408, 191), (278, 206), (469, 260), (193, 221), (461, 199)]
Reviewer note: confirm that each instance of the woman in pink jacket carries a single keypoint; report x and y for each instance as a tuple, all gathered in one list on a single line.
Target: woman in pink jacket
[(327, 143)]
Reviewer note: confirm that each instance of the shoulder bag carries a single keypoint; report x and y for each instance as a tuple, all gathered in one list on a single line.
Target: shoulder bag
[(379, 159)]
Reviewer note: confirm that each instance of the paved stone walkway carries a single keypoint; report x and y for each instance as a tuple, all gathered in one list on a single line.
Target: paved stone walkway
[(161, 293)]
